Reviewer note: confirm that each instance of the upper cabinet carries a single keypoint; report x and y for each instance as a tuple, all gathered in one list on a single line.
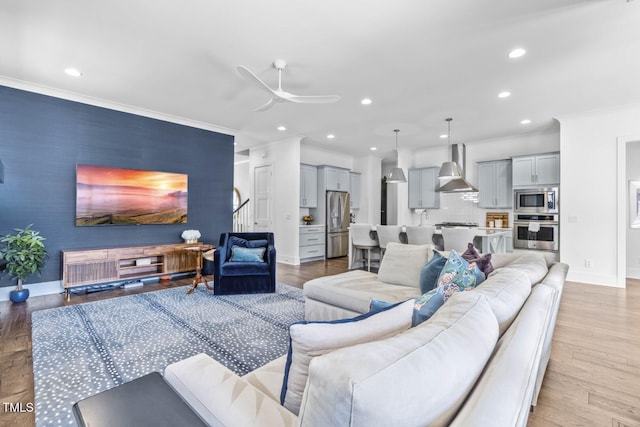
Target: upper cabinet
[(354, 185), (423, 183), (335, 179), (494, 184), (539, 170), (308, 186)]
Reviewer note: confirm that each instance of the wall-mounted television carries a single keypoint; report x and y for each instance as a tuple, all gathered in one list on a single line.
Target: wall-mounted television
[(114, 196)]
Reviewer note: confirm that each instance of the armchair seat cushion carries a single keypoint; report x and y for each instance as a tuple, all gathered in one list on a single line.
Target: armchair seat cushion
[(243, 268)]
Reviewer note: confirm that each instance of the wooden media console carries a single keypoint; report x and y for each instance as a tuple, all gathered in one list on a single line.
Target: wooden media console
[(81, 267)]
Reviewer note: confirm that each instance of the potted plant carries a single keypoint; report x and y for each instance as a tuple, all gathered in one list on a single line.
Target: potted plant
[(24, 253)]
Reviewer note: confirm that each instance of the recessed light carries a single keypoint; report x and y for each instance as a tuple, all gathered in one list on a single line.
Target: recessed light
[(282, 128), (525, 122), (373, 148), (72, 72), (443, 136), (504, 94), (331, 136), (366, 101), (517, 53)]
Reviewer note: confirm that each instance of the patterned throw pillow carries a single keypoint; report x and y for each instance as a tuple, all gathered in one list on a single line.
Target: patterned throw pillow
[(457, 275)]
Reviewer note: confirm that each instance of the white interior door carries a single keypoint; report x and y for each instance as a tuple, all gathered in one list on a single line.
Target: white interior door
[(263, 182)]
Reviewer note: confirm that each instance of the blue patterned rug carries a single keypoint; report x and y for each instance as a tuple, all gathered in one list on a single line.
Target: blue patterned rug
[(84, 349)]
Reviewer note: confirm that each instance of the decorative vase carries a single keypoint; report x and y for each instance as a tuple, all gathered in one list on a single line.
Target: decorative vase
[(191, 240), (307, 222), (19, 295)]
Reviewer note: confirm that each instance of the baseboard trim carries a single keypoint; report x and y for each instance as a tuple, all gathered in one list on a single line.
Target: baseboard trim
[(35, 289), (592, 279)]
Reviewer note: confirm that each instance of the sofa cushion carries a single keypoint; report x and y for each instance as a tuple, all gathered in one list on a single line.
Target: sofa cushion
[(419, 377), (312, 339), (506, 290), (401, 263), (239, 253), (533, 264), (431, 271), (243, 268), (354, 290)]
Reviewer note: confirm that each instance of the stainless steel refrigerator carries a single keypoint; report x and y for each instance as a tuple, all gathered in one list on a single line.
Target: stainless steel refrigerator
[(337, 224)]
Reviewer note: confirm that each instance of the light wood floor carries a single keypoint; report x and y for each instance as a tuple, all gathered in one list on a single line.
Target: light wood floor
[(593, 377)]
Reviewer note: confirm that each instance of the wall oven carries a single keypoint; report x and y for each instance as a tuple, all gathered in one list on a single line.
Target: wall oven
[(539, 232), (536, 200)]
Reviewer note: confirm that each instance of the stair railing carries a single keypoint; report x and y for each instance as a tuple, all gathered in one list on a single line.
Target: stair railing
[(241, 217)]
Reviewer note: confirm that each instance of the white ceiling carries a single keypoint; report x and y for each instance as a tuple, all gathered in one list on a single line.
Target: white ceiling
[(419, 61)]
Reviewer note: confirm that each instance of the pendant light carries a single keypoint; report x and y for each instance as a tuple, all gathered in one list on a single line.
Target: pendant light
[(449, 170), (396, 175)]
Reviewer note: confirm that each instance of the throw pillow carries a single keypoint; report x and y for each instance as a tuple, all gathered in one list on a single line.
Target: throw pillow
[(423, 308), (427, 305), (456, 275), (311, 339), (471, 253), (431, 271), (240, 254), (401, 263), (244, 243), (482, 261)]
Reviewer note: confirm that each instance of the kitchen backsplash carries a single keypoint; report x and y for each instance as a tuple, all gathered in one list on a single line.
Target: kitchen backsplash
[(455, 209)]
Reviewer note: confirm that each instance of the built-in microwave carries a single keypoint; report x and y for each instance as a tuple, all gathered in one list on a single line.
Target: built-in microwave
[(536, 200)]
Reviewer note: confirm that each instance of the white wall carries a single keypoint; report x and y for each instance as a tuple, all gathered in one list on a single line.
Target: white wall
[(312, 155), (633, 234), (370, 167), (589, 179), (284, 157)]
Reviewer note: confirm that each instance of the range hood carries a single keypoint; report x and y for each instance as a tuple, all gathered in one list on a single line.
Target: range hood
[(458, 185)]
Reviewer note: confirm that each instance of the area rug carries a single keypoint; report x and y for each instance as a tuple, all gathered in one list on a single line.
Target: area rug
[(83, 349)]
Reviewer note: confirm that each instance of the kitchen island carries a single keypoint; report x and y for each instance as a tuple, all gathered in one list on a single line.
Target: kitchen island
[(487, 240)]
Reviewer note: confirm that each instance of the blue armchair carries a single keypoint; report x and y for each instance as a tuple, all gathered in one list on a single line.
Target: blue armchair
[(246, 269)]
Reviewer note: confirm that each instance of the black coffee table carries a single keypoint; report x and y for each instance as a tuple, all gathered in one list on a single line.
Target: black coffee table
[(145, 401)]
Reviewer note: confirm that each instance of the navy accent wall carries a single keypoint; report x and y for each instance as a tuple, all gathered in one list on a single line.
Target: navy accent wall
[(43, 138)]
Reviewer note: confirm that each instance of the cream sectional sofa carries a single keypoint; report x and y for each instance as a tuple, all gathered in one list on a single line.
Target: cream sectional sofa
[(478, 361)]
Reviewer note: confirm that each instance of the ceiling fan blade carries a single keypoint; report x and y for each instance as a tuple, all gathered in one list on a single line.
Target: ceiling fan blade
[(246, 73), (266, 106), (319, 99)]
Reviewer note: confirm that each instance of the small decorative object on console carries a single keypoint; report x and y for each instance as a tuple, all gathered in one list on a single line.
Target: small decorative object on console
[(190, 236), (308, 219)]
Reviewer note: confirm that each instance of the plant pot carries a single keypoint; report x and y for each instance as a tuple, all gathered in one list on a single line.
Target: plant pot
[(19, 295), (191, 240)]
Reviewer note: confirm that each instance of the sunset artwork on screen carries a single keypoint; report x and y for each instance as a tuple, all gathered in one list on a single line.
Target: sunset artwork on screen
[(108, 196)]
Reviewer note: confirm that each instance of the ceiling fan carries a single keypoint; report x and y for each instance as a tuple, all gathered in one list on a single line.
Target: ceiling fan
[(279, 95)]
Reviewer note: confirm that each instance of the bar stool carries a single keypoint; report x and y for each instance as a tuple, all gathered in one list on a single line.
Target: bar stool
[(419, 235), (386, 234), (457, 238), (361, 240)]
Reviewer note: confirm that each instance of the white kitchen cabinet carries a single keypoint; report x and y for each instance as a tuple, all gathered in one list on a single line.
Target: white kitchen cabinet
[(423, 183), (308, 186), (355, 180), (335, 179), (312, 244), (494, 184), (539, 170)]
